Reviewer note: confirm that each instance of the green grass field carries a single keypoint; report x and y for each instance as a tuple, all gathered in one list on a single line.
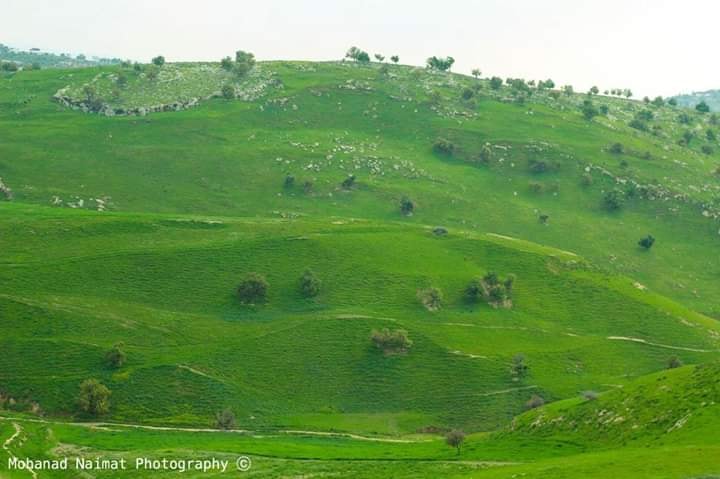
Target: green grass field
[(138, 229)]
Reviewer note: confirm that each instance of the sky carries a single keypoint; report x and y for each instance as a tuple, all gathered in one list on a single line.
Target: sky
[(654, 47)]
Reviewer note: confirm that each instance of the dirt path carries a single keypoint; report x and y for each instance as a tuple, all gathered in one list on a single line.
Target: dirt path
[(6, 446)]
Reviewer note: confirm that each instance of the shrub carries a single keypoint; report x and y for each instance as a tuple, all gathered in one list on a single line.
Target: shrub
[(310, 284), (407, 206), (391, 342), (159, 60), (586, 179), (116, 357), (226, 64), (289, 181), (518, 367), (225, 419), (589, 395), (348, 182), (443, 147), (308, 187), (94, 398), (8, 66), (707, 149), (702, 107), (455, 438), (588, 110), (468, 93), (617, 149), (431, 298), (442, 231), (534, 402), (684, 119), (647, 242), (613, 200), (228, 92), (638, 124), (536, 187), (710, 135), (485, 154), (253, 289), (674, 362), (543, 218)]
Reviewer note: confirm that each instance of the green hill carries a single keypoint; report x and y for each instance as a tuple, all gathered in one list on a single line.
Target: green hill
[(136, 206)]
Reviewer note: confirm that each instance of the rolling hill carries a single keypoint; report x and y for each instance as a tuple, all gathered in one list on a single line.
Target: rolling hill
[(138, 199)]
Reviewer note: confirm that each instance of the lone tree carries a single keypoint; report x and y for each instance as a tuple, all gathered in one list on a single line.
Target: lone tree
[(310, 284), (407, 206), (360, 56), (441, 64), (253, 289), (431, 298), (395, 59), (225, 419), (159, 60), (391, 342), (455, 438), (244, 62), (116, 357), (443, 146), (647, 242), (476, 73), (518, 368), (94, 398), (489, 288), (379, 57)]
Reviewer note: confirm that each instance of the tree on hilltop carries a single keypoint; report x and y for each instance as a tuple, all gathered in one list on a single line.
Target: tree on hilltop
[(358, 55), (395, 58), (159, 60), (440, 64)]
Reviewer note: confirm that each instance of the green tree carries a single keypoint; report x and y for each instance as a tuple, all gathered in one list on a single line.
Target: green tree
[(431, 298), (225, 419), (391, 342), (476, 73), (496, 83), (379, 58), (358, 55), (226, 64), (518, 368), (455, 438), (702, 107), (116, 357), (253, 289), (395, 58), (440, 64), (647, 242), (159, 60), (228, 91), (94, 398), (613, 200), (244, 62), (407, 206), (310, 284)]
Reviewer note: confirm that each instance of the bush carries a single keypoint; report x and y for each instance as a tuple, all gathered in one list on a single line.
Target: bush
[(442, 231), (455, 438), (253, 289), (228, 92), (586, 179), (588, 110), (534, 402), (225, 419), (536, 187), (674, 362), (348, 182), (94, 398), (589, 395), (617, 149), (702, 107), (518, 368), (707, 149), (431, 298), (310, 284), (443, 147), (8, 67), (289, 181), (116, 357), (491, 289), (613, 200), (391, 342), (407, 206), (226, 64), (468, 93), (647, 242), (638, 124)]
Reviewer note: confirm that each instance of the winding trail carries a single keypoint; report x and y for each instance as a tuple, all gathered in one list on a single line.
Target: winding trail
[(8, 441)]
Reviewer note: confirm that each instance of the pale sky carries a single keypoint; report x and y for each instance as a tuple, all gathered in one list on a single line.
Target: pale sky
[(654, 47)]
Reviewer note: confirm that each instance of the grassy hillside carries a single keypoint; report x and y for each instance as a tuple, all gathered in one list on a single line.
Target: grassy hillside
[(136, 229)]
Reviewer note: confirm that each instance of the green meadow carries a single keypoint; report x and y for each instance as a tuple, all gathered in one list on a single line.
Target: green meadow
[(136, 230)]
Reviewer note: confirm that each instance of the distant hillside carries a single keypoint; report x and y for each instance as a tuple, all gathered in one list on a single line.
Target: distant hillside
[(38, 58), (711, 97)]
